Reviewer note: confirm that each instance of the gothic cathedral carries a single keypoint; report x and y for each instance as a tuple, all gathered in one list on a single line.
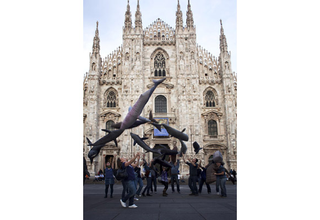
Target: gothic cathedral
[(198, 95)]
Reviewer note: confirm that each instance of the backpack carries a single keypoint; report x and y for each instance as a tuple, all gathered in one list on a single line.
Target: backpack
[(121, 174), (211, 169)]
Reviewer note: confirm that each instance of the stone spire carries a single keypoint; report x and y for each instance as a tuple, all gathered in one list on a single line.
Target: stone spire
[(189, 16), (138, 21), (179, 21), (128, 21), (223, 40), (96, 42)]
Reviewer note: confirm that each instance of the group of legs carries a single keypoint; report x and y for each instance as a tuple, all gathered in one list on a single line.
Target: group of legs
[(221, 183)]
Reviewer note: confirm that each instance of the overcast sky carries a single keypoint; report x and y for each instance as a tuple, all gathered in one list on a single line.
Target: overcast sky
[(206, 15)]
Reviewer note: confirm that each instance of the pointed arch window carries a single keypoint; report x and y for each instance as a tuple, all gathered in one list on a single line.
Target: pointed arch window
[(109, 124), (209, 99), (212, 128), (159, 65), (160, 104), (110, 99)]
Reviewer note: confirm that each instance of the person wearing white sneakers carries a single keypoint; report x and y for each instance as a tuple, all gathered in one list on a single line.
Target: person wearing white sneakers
[(129, 181)]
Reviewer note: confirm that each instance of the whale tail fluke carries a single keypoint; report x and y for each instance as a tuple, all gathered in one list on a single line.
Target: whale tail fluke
[(89, 142), (157, 82)]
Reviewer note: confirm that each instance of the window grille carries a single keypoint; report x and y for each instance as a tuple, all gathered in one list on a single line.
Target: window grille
[(159, 65), (209, 99), (160, 104), (111, 100), (212, 128)]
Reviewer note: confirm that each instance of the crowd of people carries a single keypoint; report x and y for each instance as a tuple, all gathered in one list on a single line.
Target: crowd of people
[(139, 169)]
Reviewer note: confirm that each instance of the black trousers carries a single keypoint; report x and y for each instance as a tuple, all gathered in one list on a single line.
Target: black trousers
[(202, 181), (148, 185), (193, 184), (174, 178)]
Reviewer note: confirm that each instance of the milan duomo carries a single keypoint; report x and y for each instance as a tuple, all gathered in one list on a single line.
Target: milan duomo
[(198, 95)]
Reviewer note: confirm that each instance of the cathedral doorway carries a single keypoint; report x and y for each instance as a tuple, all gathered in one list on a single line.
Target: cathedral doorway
[(108, 158)]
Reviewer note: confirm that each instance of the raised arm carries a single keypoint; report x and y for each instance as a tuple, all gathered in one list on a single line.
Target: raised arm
[(104, 162), (137, 162), (131, 161), (113, 162), (183, 158)]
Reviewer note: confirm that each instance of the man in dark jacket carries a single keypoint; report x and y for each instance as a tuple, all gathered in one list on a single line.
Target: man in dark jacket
[(193, 166)]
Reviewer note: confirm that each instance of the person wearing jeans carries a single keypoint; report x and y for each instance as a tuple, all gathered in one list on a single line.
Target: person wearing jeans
[(138, 179), (148, 176), (221, 179), (174, 174), (129, 182)]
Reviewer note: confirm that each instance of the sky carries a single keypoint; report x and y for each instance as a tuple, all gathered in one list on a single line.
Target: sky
[(206, 15)]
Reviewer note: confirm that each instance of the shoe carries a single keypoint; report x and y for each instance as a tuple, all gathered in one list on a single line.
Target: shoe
[(209, 192), (139, 195), (105, 196), (143, 194), (179, 192), (191, 194), (196, 194), (136, 199), (123, 203), (111, 196), (155, 192), (218, 193), (133, 206), (173, 191), (149, 195)]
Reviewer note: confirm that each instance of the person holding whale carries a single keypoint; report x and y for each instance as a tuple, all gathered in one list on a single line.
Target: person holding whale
[(109, 177), (193, 175), (174, 172), (148, 167), (129, 181)]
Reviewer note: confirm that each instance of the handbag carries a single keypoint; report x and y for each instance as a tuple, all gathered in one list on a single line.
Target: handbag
[(121, 174)]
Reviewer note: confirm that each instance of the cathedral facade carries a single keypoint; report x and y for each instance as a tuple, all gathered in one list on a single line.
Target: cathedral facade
[(198, 95)]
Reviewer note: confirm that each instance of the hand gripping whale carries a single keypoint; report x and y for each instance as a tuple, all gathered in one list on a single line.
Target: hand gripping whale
[(137, 108), (175, 133), (141, 143)]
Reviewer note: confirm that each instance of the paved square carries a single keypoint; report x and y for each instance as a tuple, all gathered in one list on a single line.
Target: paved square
[(175, 206)]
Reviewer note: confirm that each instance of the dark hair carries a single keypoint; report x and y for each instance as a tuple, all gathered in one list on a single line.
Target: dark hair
[(196, 160)]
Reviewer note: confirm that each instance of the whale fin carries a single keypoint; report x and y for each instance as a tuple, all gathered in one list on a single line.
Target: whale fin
[(144, 138), (158, 126), (152, 119), (183, 130), (115, 141), (89, 142), (106, 130)]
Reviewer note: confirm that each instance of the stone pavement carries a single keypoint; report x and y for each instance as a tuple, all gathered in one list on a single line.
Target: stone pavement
[(174, 206)]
